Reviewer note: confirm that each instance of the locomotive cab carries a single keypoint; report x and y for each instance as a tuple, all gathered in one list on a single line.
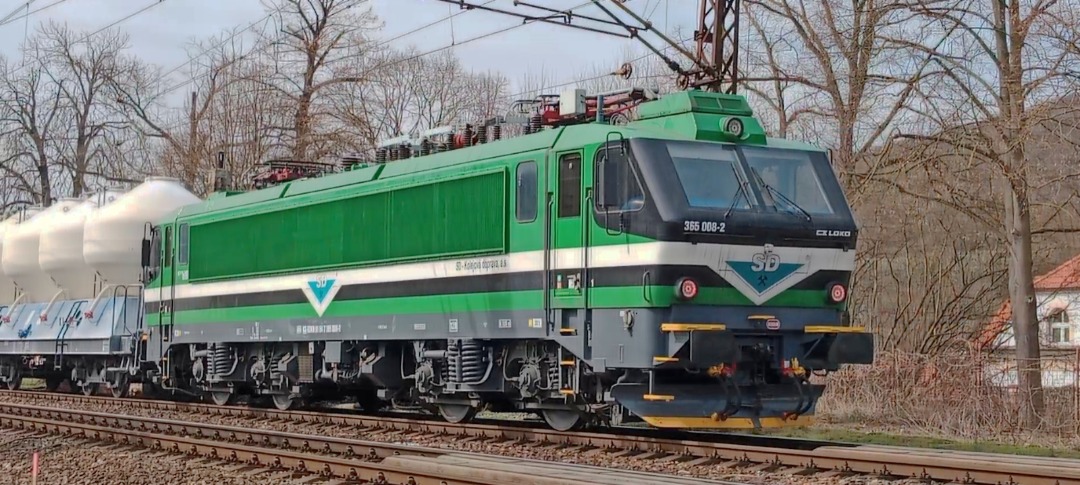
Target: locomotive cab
[(755, 241)]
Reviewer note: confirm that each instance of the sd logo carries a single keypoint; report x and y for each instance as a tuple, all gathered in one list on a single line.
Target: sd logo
[(765, 261)]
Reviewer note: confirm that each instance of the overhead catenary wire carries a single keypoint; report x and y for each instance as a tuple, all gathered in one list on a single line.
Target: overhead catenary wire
[(515, 96), (383, 43), (107, 27), (10, 17)]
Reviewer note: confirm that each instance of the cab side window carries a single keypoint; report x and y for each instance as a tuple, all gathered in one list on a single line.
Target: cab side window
[(168, 247), (570, 185), (526, 203), (623, 192), (182, 245)]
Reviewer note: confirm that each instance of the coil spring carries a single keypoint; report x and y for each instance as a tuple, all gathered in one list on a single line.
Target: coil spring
[(468, 135), (534, 123), (394, 155), (405, 151), (275, 371), (496, 132), (221, 360), (453, 362), (481, 134), (425, 147), (380, 155), (554, 373), (473, 367)]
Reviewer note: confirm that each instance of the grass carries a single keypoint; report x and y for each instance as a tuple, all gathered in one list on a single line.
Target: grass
[(831, 432)]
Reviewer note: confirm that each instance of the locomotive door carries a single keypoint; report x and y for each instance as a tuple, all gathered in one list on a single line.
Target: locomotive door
[(165, 309), (569, 248)]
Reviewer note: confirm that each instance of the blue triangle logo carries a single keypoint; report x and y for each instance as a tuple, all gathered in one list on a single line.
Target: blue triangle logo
[(320, 293), (761, 280), (320, 290)]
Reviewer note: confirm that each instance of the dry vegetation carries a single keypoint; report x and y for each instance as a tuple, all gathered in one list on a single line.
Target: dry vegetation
[(953, 126), (957, 144)]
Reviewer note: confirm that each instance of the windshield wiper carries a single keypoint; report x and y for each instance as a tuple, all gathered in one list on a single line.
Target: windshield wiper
[(741, 191), (777, 193)]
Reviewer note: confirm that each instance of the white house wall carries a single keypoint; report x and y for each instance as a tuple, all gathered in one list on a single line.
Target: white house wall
[(1045, 303)]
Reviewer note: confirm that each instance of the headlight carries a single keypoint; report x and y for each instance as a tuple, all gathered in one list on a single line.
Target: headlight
[(686, 289)]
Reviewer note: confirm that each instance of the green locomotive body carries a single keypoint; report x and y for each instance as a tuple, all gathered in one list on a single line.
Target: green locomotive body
[(683, 269)]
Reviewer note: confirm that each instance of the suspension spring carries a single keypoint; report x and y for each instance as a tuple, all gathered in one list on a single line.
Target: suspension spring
[(473, 366), (275, 371), (221, 360), (554, 373), (453, 362)]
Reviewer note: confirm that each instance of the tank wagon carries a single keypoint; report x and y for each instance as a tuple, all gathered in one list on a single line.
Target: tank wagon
[(682, 268), (75, 311)]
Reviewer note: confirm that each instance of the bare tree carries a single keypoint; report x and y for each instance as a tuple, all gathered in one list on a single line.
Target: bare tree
[(31, 116), (999, 88), (144, 95), (845, 68), (315, 38), (82, 69)]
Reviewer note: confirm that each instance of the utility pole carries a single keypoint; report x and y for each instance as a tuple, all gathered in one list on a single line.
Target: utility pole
[(717, 37)]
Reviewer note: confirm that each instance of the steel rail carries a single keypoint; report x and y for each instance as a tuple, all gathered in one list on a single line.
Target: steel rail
[(326, 456), (940, 465), (265, 457)]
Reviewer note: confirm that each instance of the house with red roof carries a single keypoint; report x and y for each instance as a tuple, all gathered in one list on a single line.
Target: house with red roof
[(1057, 307)]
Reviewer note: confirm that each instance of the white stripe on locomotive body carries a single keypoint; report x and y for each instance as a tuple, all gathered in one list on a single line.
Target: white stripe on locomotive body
[(715, 256)]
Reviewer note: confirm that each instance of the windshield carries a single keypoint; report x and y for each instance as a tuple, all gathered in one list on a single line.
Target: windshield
[(791, 177), (707, 175)]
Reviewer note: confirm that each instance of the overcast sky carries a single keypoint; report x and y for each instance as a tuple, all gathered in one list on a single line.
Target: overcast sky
[(160, 33)]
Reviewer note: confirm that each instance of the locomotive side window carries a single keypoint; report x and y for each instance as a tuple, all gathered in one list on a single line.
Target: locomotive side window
[(570, 185), (154, 263), (182, 245), (168, 246), (526, 191), (623, 191)]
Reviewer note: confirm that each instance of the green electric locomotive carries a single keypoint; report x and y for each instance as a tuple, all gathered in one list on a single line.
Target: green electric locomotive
[(682, 268)]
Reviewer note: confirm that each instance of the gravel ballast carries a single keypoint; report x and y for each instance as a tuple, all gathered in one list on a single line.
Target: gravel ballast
[(514, 449)]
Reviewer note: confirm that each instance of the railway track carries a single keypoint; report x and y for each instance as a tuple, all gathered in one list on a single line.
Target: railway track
[(314, 455), (800, 458)]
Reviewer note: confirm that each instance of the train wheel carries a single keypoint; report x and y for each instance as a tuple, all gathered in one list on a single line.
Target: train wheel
[(563, 419), (221, 398), (88, 389), (457, 413), (283, 401), (118, 387), (52, 383), (14, 379)]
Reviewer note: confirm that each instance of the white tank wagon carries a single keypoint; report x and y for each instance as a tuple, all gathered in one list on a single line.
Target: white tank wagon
[(113, 238), (18, 316), (20, 256), (104, 345), (60, 253), (8, 291)]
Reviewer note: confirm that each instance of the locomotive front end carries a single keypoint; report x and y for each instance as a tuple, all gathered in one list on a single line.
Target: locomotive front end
[(753, 246)]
